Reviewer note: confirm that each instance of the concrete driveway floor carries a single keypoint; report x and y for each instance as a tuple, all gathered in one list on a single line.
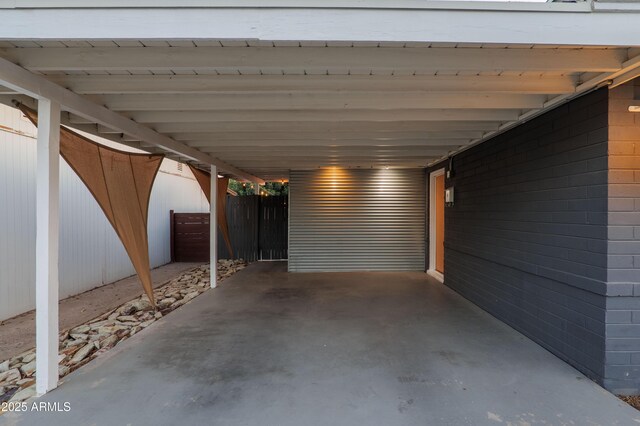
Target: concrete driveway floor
[(273, 348)]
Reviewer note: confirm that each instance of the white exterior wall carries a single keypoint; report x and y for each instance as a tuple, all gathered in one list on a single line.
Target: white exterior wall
[(90, 252)]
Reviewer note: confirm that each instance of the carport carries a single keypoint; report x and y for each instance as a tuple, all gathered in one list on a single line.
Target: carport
[(358, 106)]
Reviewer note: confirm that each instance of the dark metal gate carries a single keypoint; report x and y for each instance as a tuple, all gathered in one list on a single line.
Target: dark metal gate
[(258, 228), (273, 228)]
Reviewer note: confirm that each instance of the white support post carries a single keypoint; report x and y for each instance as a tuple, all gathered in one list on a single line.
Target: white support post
[(47, 229), (256, 188), (213, 233)]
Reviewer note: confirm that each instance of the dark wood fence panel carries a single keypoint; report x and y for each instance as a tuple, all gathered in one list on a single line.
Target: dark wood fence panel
[(258, 228), (274, 233), (190, 237)]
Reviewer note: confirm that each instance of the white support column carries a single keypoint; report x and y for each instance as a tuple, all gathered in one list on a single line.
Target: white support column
[(213, 223), (47, 229)]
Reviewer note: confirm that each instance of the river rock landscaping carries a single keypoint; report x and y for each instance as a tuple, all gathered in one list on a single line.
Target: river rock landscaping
[(84, 342)]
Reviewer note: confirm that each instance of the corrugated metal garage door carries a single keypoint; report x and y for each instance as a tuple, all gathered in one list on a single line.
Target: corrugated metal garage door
[(356, 220)]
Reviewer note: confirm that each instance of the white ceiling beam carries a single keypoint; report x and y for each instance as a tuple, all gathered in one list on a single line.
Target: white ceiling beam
[(296, 159), (129, 138), (346, 162), (631, 70), (311, 4), (326, 127), (318, 101), (341, 150), (107, 130), (360, 60), (325, 115), (212, 146), (320, 157), (215, 139), (35, 86), (149, 84), (415, 162), (446, 22)]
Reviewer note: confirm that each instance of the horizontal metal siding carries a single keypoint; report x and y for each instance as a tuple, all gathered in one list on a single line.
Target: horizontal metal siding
[(357, 220)]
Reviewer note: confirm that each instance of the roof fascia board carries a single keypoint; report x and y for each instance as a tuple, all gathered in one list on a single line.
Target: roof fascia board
[(582, 6), (506, 26)]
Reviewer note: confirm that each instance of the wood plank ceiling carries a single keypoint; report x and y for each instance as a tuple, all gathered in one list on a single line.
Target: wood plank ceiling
[(271, 107)]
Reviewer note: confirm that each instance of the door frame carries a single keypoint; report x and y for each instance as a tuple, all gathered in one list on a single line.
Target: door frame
[(432, 225)]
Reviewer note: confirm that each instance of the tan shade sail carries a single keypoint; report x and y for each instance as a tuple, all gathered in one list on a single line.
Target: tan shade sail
[(121, 184), (204, 179)]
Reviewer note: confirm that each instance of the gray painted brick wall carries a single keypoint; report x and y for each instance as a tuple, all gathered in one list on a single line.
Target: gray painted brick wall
[(622, 356), (527, 238)]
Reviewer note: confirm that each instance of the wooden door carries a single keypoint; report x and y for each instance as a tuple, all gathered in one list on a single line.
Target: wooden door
[(439, 202)]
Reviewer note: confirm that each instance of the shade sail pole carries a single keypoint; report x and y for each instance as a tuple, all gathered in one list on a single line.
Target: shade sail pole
[(47, 244), (213, 233), (204, 180)]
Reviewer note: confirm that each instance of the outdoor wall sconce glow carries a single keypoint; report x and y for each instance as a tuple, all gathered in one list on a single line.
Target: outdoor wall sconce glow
[(634, 108)]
